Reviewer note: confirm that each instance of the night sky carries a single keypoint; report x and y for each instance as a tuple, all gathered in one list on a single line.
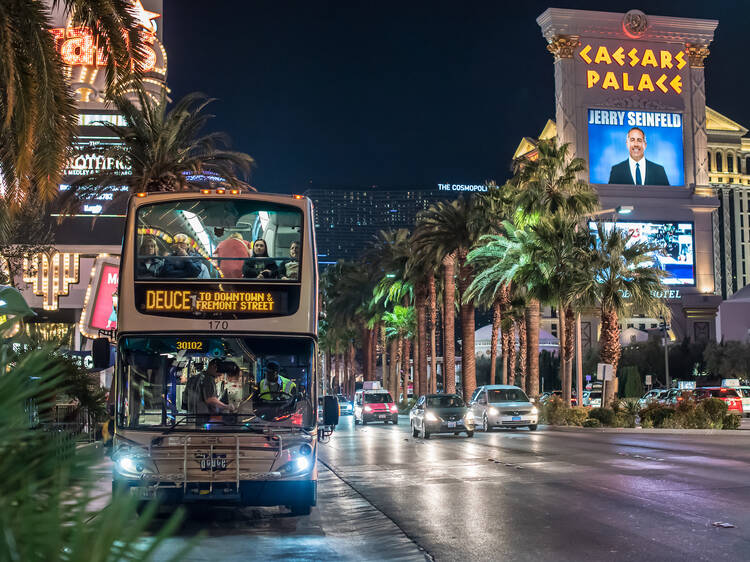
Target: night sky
[(395, 93)]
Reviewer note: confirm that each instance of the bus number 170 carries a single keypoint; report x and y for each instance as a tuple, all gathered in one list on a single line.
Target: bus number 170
[(218, 325)]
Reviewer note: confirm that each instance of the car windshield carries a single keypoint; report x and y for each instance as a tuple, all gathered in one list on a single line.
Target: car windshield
[(218, 239), (506, 395), (214, 383), (378, 398), (341, 398), (445, 401)]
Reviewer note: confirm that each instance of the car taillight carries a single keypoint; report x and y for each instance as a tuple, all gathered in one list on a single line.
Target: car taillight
[(368, 408)]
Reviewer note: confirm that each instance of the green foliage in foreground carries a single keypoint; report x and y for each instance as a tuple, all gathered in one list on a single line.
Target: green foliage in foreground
[(47, 484)]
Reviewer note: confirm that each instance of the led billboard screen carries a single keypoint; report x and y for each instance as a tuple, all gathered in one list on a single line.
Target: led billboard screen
[(635, 147), (104, 314), (676, 239)]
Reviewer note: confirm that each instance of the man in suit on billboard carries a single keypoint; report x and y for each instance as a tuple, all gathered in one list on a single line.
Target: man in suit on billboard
[(636, 170)]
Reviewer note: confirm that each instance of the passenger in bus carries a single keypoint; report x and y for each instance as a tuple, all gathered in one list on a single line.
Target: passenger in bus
[(291, 268), (260, 266), (150, 263), (231, 255), (182, 263)]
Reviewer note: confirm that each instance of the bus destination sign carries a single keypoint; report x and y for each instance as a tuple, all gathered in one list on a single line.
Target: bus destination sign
[(209, 302)]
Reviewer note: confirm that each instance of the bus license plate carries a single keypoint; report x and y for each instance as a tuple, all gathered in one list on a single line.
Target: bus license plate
[(143, 492)]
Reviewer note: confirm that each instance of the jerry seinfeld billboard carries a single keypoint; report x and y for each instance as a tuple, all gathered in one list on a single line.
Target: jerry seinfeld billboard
[(629, 147)]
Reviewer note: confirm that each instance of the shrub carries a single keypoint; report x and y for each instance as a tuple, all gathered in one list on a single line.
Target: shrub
[(591, 422), (576, 415), (715, 409), (731, 421), (624, 419), (605, 415), (654, 415), (554, 412), (633, 386)]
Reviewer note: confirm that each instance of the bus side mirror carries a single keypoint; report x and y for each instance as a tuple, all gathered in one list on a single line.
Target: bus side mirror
[(100, 353), (330, 410)]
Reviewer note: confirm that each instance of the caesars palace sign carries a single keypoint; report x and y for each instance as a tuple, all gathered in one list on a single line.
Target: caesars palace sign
[(613, 66)]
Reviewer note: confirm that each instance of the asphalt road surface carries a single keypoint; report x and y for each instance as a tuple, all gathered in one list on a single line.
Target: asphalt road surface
[(551, 495), (505, 495)]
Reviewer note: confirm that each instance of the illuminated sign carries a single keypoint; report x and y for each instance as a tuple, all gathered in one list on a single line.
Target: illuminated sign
[(461, 187), (677, 255), (612, 66), (77, 47), (668, 294), (620, 140), (189, 345), (202, 301), (100, 305)]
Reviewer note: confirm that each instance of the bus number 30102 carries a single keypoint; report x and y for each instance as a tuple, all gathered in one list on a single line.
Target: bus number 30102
[(218, 325)]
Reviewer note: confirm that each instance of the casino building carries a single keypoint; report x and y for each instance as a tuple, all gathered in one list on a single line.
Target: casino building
[(74, 288), (617, 74)]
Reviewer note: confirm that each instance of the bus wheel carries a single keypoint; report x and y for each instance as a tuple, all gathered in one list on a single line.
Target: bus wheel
[(299, 509)]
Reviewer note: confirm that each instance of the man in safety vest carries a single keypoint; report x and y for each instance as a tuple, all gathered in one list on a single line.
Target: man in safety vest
[(275, 387)]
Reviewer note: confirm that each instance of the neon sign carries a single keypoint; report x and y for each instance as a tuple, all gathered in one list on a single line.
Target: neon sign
[(77, 47), (169, 300), (617, 67)]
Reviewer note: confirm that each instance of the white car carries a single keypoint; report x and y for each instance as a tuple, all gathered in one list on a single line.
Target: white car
[(592, 398), (502, 405), (745, 394), (652, 395)]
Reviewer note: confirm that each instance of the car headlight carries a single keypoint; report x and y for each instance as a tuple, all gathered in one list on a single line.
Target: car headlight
[(127, 464), (494, 411), (368, 409), (469, 416), (534, 410), (429, 416)]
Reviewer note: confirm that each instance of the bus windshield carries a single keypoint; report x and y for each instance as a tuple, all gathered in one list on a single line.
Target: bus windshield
[(218, 239), (228, 383)]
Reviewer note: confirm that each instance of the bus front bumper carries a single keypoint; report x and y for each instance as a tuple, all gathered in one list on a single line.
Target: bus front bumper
[(257, 493)]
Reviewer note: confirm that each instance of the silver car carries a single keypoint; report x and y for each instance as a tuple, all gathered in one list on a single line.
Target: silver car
[(502, 405)]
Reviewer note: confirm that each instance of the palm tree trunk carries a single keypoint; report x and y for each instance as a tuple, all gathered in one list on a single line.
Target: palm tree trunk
[(512, 353), (347, 365), (468, 357), (449, 347), (610, 349), (532, 359), (422, 339), (352, 381), (563, 371), (570, 341), (493, 339), (331, 365), (402, 370), (522, 354), (416, 389), (384, 355), (374, 354), (431, 307), (407, 367), (394, 378)]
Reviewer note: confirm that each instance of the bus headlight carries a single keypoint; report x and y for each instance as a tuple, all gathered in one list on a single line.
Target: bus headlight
[(302, 463), (128, 464)]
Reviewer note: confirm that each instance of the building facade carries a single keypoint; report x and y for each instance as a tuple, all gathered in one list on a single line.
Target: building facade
[(66, 285), (347, 219)]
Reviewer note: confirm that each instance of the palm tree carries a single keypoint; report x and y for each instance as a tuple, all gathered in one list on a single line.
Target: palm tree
[(400, 324), (545, 186), (163, 146), (37, 108), (620, 278), (448, 231)]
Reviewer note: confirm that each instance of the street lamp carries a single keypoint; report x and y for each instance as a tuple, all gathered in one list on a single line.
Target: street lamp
[(624, 209)]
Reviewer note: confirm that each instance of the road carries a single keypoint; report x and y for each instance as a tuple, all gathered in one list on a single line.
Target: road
[(506, 495)]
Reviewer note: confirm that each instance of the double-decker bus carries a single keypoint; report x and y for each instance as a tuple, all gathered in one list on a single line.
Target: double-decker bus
[(216, 385)]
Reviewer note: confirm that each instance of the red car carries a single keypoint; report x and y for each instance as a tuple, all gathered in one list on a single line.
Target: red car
[(728, 395)]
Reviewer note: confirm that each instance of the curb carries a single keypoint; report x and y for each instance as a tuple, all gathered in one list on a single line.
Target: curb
[(641, 431)]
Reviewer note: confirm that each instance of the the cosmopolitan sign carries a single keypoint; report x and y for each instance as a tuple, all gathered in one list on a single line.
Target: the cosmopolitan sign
[(632, 67), (461, 187)]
